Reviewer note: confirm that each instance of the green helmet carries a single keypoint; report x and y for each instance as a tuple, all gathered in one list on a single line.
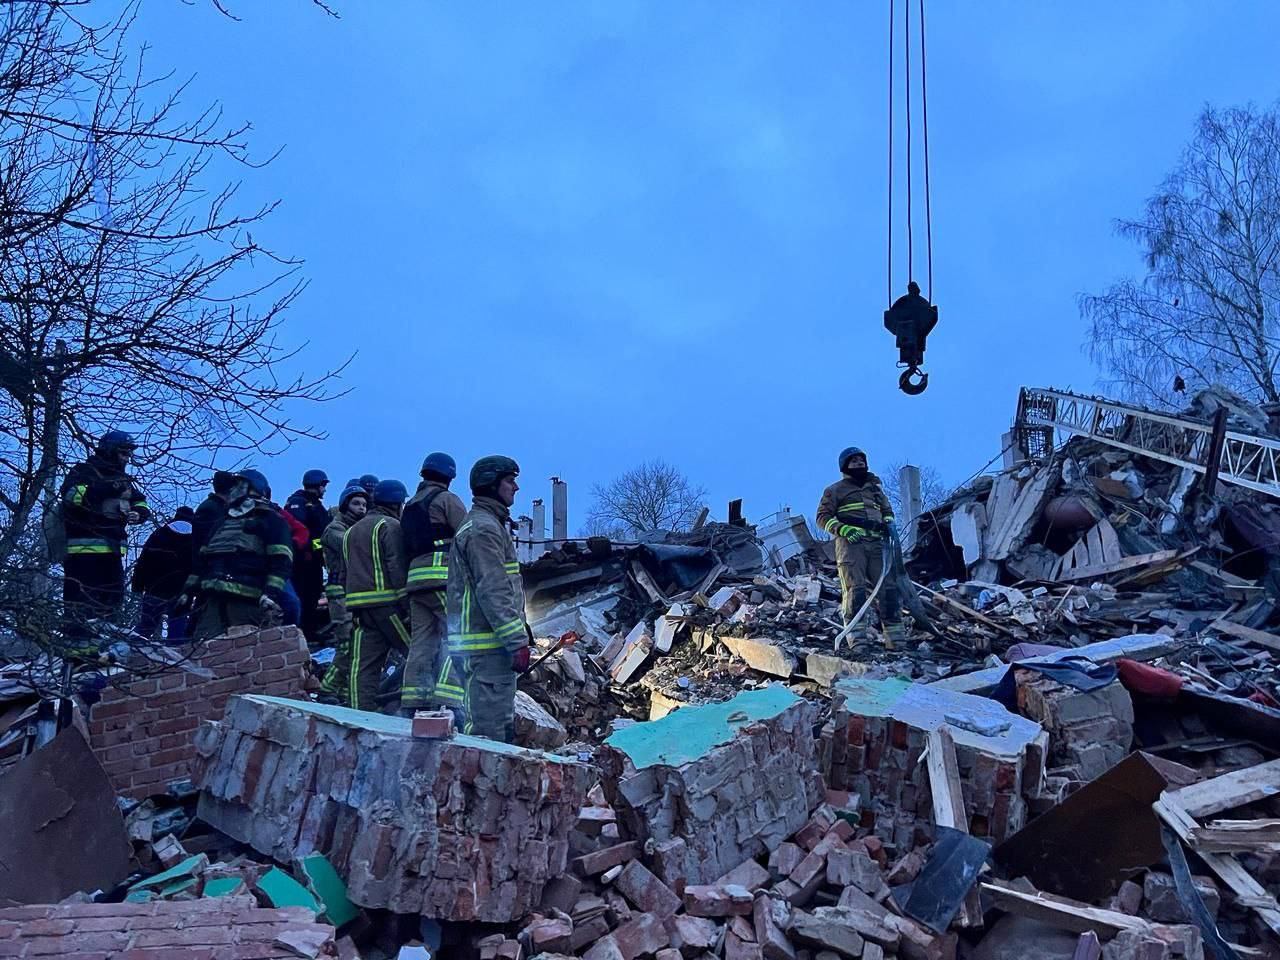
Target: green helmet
[(489, 470)]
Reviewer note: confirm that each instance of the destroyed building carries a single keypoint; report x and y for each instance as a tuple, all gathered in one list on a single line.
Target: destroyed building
[(1080, 759)]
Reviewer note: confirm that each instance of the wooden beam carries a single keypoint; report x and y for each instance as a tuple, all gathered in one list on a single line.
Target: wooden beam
[(1233, 789), (1238, 836), (948, 805), (1227, 867), (1062, 913), (1119, 566), (1247, 634), (965, 611)]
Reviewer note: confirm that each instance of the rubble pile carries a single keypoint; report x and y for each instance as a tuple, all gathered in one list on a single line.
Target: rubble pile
[(461, 828)]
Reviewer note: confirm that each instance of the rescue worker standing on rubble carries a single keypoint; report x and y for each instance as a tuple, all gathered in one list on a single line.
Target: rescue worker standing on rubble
[(488, 637), (857, 513), (307, 507), (241, 573), (430, 520), (353, 504), (374, 553), (98, 503)]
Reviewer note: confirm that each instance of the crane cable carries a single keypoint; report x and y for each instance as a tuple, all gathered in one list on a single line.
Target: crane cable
[(924, 125)]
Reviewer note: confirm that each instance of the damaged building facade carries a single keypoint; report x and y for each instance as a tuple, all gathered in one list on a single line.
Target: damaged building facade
[(1078, 756)]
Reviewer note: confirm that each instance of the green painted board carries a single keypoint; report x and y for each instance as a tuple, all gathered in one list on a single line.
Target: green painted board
[(176, 887), (222, 886), (692, 732), (284, 891), (188, 867), (325, 883), (139, 896)]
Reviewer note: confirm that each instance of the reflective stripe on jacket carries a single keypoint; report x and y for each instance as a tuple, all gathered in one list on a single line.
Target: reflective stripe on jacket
[(331, 543), (853, 512), (373, 552), (485, 602), (445, 513), (249, 554)]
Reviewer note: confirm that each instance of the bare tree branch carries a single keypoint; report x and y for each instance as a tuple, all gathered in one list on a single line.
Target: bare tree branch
[(653, 496)]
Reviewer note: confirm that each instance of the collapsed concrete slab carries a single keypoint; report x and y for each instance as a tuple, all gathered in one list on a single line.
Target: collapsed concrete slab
[(144, 732), (460, 829), (874, 742), (716, 784)]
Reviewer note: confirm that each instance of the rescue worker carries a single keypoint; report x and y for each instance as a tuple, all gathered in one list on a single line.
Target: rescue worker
[(160, 574), (488, 636), (307, 507), (241, 574), (430, 520), (353, 504), (374, 554), (212, 509), (368, 481), (857, 513), (99, 501)]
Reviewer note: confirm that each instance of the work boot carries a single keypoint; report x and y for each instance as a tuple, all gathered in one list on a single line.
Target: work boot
[(894, 634)]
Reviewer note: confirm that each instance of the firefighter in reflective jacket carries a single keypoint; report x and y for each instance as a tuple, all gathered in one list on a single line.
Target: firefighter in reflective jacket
[(488, 637), (353, 504), (240, 573), (374, 554), (857, 513), (98, 502), (430, 519)]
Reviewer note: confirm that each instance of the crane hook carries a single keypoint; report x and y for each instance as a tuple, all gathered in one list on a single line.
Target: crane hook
[(906, 385)]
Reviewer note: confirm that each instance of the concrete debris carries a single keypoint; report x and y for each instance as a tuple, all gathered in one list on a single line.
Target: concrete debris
[(292, 778)]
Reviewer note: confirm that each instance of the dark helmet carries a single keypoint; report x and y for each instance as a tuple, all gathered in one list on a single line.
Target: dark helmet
[(184, 513), (114, 440), (257, 482), (440, 464), (313, 478), (352, 490), (489, 470), (368, 481), (223, 481), (390, 492), (353, 482), (849, 452)]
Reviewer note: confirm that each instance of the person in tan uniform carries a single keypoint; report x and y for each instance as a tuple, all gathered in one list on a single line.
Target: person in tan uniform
[(352, 506), (374, 553), (430, 519), (857, 513)]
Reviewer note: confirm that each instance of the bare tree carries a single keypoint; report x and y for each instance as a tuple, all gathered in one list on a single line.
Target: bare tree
[(933, 489), (133, 292), (1206, 310), (653, 496)]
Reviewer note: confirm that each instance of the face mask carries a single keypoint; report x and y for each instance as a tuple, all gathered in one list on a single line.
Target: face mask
[(857, 475)]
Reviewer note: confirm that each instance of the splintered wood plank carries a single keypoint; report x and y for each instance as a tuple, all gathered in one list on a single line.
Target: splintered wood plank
[(1233, 789), (1119, 566), (1111, 549)]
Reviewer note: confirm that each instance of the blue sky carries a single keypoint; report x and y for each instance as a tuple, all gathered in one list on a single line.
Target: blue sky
[(589, 234)]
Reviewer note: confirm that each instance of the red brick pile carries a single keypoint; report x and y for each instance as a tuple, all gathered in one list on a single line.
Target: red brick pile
[(144, 732), (181, 930)]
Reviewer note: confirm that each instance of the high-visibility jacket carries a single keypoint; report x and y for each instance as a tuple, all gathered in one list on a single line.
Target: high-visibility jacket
[(96, 499), (249, 553), (331, 543), (373, 552), (854, 513), (430, 519), (485, 601)]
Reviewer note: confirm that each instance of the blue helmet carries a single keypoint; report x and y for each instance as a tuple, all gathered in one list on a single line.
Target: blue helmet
[(353, 482), (257, 482), (390, 492), (352, 490), (313, 478), (368, 481), (114, 440), (849, 452), (441, 464)]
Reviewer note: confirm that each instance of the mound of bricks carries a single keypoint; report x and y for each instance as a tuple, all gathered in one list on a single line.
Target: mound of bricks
[(873, 745), (163, 930), (1089, 730), (144, 732), (714, 785), (453, 829)]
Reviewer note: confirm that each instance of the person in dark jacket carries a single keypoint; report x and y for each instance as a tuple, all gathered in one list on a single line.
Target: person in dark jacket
[(211, 511), (160, 573), (307, 507), (99, 501), (241, 574)]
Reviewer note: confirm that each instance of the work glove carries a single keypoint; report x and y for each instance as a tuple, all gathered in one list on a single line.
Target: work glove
[(520, 659), (851, 533)]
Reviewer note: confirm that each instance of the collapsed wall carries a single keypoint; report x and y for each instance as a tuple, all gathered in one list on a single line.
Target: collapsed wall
[(455, 829), (715, 785), (144, 732), (874, 742)]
